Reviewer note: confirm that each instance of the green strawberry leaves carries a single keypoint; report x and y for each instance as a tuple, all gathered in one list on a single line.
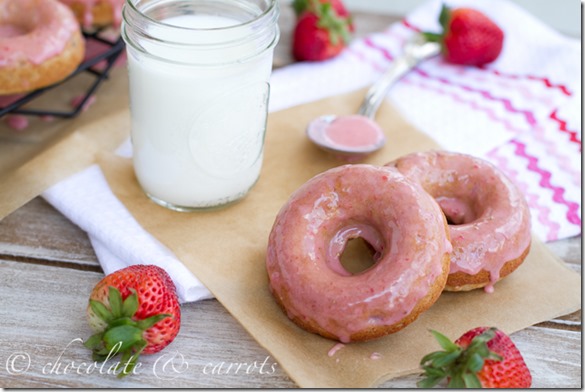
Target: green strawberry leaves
[(460, 365), (300, 6), (338, 27), (444, 18), (123, 335)]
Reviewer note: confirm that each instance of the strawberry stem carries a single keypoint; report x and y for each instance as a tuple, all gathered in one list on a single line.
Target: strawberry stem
[(444, 19), (122, 335), (432, 37), (460, 365)]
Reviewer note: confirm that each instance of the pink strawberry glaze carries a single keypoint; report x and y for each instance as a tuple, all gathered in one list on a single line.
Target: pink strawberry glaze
[(335, 349), (490, 217), (34, 30), (9, 31), (402, 223), (115, 5), (353, 132)]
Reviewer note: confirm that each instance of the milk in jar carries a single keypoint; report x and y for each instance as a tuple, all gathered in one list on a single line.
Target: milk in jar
[(199, 88)]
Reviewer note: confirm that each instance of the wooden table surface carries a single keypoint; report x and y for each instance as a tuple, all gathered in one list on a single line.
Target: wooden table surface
[(48, 268)]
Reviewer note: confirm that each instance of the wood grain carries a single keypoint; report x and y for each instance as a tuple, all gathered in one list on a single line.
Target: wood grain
[(46, 325), (39, 233)]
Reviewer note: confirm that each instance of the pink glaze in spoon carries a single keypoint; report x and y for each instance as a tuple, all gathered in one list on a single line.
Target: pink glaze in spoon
[(353, 137), (348, 137)]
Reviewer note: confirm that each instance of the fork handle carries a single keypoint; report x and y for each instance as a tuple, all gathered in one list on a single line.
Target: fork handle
[(400, 67)]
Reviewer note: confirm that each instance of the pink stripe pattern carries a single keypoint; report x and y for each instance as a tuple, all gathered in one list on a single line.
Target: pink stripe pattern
[(541, 79), (507, 104), (558, 192), (542, 212), (573, 136)]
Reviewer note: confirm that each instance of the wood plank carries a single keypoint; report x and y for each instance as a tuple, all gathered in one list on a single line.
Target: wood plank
[(553, 357), (569, 250), (38, 232), (43, 317)]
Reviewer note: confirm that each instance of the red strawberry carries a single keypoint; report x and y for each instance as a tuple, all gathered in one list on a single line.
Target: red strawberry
[(482, 357), (322, 30), (133, 310), (469, 37), (300, 6)]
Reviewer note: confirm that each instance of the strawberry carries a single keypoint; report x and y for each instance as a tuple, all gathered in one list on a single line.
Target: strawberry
[(322, 30), (469, 37), (134, 310), (300, 6), (482, 357)]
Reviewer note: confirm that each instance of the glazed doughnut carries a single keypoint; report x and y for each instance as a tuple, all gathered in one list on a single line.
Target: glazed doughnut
[(401, 222), (488, 216), (96, 13), (40, 44)]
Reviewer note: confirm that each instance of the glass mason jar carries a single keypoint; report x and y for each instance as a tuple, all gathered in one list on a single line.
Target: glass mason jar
[(199, 75)]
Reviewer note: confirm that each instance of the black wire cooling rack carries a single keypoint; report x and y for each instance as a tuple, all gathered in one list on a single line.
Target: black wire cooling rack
[(110, 55)]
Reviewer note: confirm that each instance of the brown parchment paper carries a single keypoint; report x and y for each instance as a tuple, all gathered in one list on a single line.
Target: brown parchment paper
[(225, 249), (33, 159)]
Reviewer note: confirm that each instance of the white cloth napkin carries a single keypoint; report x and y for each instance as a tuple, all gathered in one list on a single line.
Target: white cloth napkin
[(521, 112)]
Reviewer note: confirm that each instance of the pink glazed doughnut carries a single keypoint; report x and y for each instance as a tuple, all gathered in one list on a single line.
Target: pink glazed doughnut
[(40, 44), (402, 223), (488, 217), (97, 13)]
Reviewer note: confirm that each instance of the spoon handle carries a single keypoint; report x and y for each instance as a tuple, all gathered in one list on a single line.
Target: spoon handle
[(414, 53)]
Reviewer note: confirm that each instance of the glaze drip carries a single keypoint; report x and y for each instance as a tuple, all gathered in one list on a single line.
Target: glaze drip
[(488, 215), (393, 214)]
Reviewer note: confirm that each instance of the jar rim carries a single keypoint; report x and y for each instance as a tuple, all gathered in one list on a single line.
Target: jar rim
[(272, 5), (191, 45)]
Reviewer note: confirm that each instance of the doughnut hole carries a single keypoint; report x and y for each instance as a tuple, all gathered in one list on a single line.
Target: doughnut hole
[(16, 23), (461, 197), (9, 30), (358, 256), (458, 211), (354, 249)]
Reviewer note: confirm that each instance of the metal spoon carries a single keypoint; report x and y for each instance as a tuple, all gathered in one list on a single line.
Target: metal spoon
[(336, 134)]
